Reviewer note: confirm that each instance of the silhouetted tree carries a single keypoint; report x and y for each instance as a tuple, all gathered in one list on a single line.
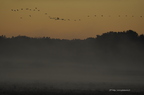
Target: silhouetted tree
[(132, 34), (3, 37)]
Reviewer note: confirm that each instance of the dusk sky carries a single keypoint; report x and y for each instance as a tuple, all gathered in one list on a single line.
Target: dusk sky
[(81, 18)]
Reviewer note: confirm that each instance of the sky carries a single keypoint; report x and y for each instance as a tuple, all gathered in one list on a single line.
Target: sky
[(76, 19)]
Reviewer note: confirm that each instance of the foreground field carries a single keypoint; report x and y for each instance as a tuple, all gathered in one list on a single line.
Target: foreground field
[(6, 89), (63, 92)]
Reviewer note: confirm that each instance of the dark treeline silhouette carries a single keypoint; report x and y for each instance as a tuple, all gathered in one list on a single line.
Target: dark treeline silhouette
[(110, 47)]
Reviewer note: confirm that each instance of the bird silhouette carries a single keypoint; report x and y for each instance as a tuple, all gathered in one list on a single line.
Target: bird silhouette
[(29, 15), (57, 18)]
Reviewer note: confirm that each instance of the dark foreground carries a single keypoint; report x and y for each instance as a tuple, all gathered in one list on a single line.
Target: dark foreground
[(63, 92), (19, 90)]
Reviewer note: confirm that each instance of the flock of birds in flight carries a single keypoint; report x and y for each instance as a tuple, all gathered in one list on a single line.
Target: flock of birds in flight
[(58, 18), (36, 9)]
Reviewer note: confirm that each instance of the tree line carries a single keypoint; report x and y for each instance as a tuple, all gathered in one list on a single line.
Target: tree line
[(111, 47)]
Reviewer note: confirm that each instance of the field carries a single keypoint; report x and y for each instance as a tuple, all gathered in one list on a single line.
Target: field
[(38, 89)]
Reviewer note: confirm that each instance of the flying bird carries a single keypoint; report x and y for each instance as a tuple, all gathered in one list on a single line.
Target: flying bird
[(57, 18)]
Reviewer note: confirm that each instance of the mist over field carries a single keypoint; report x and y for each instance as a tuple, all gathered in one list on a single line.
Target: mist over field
[(113, 59)]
